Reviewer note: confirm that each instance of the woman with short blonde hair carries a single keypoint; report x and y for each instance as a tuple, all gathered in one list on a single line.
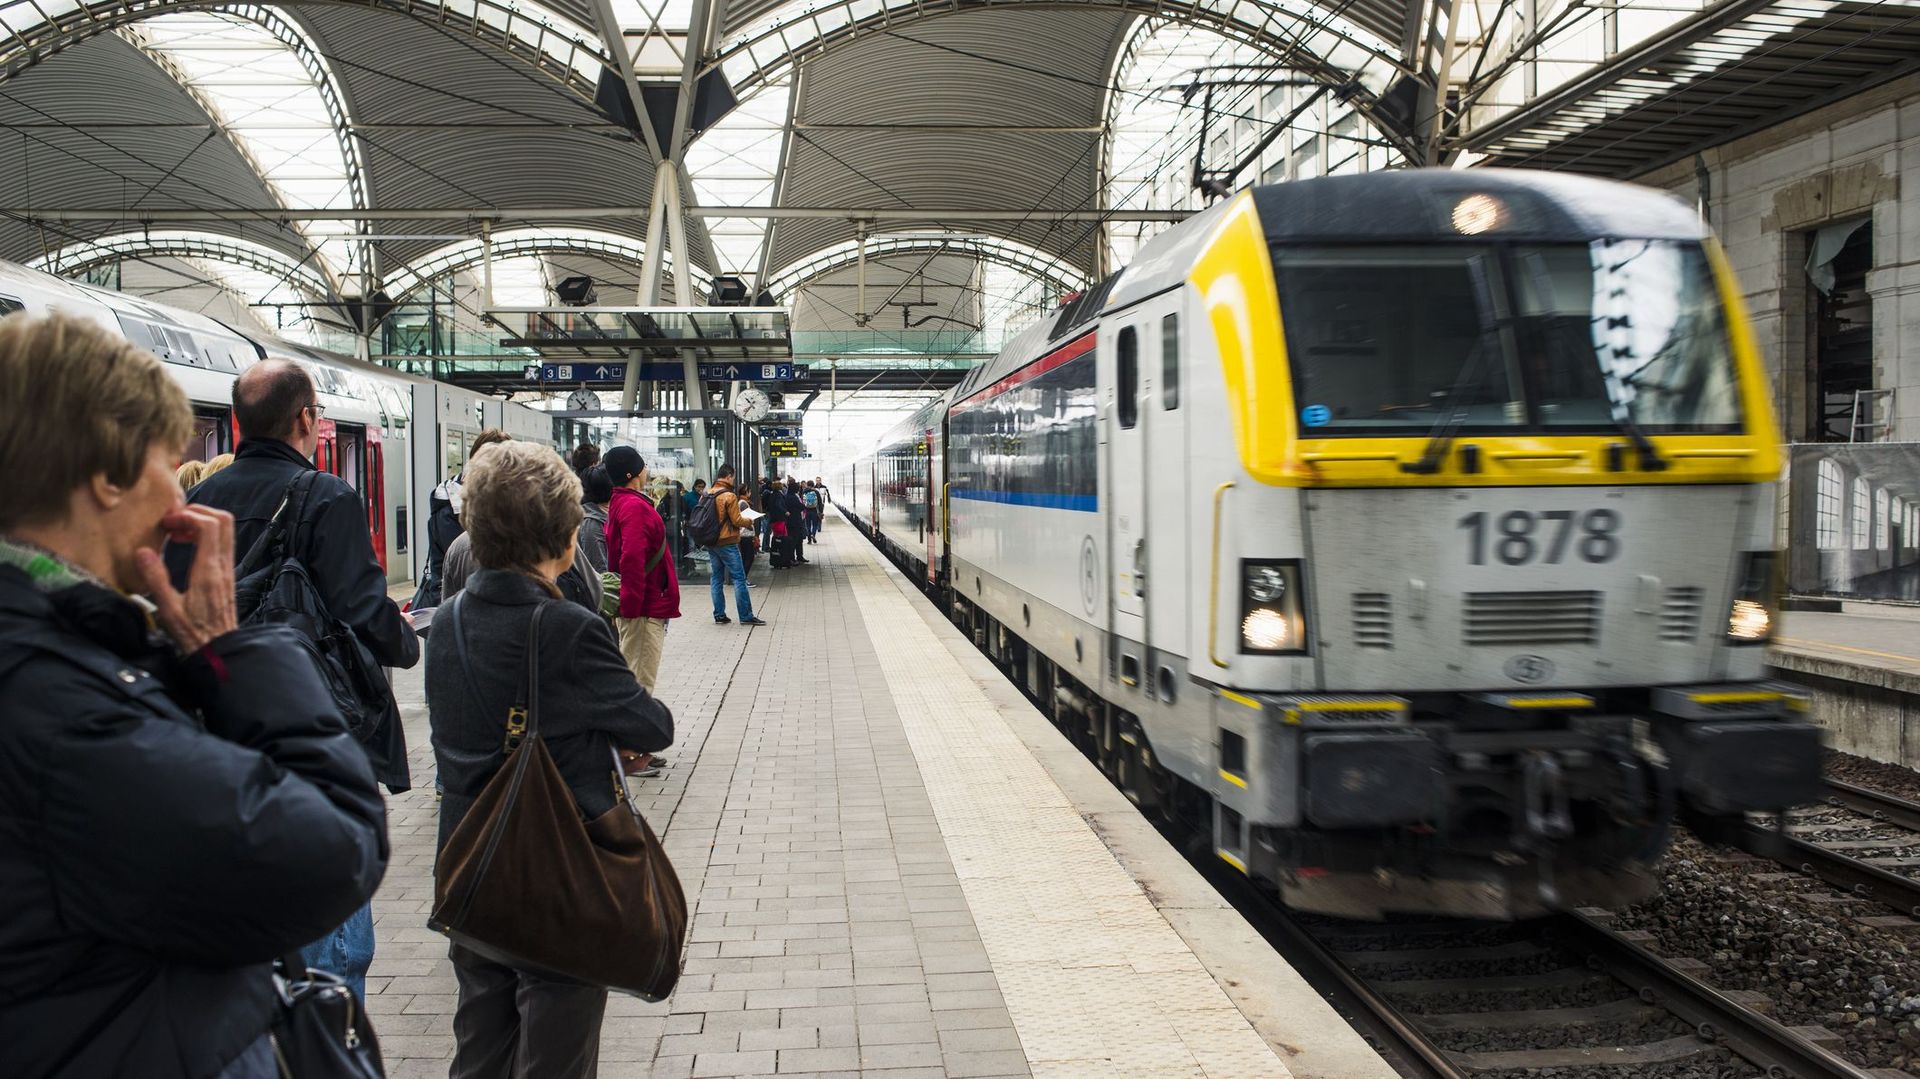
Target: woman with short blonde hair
[(195, 806), (521, 505)]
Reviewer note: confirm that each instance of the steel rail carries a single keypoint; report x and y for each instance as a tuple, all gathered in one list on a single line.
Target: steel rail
[(1402, 1040), (1875, 804), (1850, 875), (1715, 1017)]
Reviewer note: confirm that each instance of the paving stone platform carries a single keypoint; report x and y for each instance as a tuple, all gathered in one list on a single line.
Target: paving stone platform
[(894, 869)]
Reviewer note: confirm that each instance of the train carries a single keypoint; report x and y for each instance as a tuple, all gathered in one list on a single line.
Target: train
[(1409, 534), (392, 436)]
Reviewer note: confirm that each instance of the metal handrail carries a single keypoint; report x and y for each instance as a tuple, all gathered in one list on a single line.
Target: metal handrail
[(1213, 590)]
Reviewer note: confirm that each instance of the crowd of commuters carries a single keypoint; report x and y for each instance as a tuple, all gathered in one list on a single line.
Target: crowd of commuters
[(195, 804)]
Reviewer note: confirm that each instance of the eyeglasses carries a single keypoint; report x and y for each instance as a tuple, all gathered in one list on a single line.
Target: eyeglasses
[(317, 410)]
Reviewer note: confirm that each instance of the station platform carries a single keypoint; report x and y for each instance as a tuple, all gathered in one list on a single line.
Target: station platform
[(1861, 668), (1868, 637), (896, 866)]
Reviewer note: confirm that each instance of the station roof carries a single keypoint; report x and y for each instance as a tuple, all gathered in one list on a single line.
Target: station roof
[(907, 115)]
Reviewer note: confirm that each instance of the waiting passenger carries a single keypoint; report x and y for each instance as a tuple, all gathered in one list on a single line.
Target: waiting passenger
[(181, 807), (723, 551), (278, 413), (219, 463), (637, 550), (443, 525), (523, 508), (584, 456), (597, 494), (579, 583), (189, 473)]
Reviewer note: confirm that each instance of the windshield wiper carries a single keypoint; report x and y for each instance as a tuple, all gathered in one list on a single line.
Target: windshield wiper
[(1650, 459), (1454, 416), (1454, 406)]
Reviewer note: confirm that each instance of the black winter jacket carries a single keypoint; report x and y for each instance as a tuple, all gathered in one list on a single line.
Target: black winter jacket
[(588, 697), (332, 538), (167, 827)]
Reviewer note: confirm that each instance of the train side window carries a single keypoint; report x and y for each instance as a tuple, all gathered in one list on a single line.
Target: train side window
[(8, 305), (1170, 362), (1129, 377)]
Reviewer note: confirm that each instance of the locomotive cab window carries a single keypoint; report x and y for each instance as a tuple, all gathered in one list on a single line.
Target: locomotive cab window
[(1128, 377), (1401, 340), (1170, 362)]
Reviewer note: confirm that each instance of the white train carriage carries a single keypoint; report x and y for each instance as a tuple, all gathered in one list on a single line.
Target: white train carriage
[(368, 435)]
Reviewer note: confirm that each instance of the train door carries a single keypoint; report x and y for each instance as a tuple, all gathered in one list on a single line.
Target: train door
[(1164, 416), (1124, 493), (326, 452), (212, 433), (931, 479)]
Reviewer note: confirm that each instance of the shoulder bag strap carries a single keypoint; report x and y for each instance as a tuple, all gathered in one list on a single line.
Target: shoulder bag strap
[(275, 536), (515, 760)]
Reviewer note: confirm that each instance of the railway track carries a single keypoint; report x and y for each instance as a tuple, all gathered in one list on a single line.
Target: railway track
[(1827, 859), (1478, 999)]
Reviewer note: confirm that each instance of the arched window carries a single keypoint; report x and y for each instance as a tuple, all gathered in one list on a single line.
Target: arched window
[(1862, 515), (1826, 530), (1881, 540)]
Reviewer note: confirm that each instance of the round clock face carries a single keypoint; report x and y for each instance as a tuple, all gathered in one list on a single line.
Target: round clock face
[(751, 405), (583, 400)]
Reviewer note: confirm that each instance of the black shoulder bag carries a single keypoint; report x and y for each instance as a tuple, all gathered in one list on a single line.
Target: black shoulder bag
[(273, 587), (321, 1031)]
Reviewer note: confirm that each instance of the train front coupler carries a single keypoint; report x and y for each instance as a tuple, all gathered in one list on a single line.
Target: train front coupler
[(1738, 748)]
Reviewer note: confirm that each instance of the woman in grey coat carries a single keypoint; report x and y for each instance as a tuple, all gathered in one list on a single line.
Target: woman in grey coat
[(522, 512)]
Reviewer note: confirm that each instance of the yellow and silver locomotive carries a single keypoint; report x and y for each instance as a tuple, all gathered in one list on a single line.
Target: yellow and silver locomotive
[(1413, 530)]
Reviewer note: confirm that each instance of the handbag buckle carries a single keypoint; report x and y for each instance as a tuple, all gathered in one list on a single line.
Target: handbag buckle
[(516, 725)]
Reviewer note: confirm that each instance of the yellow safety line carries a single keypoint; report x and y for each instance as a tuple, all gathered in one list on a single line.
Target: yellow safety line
[(1350, 706), (1233, 779), (1549, 702), (1849, 648)]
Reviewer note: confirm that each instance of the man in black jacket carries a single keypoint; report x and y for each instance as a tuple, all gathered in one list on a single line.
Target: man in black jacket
[(279, 416)]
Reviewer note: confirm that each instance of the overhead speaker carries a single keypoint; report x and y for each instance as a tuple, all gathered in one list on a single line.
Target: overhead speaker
[(576, 291), (728, 291)]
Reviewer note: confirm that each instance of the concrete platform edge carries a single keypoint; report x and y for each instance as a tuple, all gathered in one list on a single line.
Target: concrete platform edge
[(1294, 1020)]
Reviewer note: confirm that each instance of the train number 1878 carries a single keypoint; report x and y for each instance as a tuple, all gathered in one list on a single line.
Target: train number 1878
[(1518, 537)]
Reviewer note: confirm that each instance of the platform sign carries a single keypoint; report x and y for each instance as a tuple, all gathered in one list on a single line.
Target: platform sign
[(616, 371), (784, 447), (748, 372), (779, 432)]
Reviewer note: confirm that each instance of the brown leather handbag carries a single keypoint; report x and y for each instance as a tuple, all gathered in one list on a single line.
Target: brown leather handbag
[(526, 882)]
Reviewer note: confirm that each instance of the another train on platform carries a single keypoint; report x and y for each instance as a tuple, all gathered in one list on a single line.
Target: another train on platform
[(391, 436), (1410, 533)]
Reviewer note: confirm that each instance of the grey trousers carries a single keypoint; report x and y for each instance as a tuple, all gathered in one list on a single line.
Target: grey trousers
[(510, 1025)]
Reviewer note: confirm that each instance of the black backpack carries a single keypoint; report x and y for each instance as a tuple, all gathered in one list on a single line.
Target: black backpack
[(272, 587), (703, 526)]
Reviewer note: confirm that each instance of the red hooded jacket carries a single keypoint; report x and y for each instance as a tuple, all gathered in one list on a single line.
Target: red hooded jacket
[(635, 535)]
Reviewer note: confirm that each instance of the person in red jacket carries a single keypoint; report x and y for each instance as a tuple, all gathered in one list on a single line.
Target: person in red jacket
[(637, 550)]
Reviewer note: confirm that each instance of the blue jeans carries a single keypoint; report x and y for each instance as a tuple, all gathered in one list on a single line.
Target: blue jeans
[(727, 559), (347, 951)]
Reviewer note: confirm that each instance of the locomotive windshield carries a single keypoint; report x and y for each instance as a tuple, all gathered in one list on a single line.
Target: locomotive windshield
[(1508, 339)]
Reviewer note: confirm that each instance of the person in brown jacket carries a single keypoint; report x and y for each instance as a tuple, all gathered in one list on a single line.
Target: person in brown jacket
[(724, 554)]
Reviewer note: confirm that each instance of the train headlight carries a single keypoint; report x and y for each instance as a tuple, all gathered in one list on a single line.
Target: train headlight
[(1751, 618), (1266, 584), (1272, 616), (1476, 214)]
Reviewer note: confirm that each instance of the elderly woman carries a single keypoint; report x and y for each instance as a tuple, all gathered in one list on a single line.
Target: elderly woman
[(180, 807), (522, 509)]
